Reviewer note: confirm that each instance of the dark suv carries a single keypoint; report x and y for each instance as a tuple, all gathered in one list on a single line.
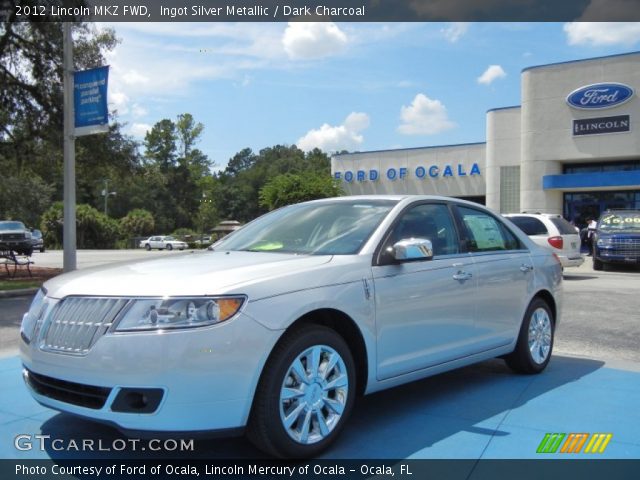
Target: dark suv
[(15, 236), (617, 238)]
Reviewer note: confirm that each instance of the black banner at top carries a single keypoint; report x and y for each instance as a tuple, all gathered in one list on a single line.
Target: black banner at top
[(319, 10)]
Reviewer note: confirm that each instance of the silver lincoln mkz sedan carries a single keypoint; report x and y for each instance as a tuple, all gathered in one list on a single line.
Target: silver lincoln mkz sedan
[(286, 321)]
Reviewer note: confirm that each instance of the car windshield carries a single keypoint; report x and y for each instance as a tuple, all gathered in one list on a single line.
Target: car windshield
[(11, 226), (322, 228), (620, 222)]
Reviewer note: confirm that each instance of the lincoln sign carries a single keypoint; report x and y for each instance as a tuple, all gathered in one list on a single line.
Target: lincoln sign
[(596, 126)]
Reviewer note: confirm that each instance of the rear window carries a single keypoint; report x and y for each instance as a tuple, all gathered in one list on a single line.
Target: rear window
[(530, 225), (564, 227)]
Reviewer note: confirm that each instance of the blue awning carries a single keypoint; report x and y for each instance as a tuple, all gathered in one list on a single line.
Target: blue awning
[(627, 179)]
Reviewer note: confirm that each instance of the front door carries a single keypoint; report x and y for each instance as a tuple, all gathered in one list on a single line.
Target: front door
[(424, 309)]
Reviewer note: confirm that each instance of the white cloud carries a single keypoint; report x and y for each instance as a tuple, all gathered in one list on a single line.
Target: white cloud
[(138, 110), (602, 33), (307, 40), (424, 117), (132, 77), (492, 73), (334, 138), (118, 101), (139, 130), (455, 30)]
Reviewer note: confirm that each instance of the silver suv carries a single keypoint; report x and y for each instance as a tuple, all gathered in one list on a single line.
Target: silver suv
[(553, 232)]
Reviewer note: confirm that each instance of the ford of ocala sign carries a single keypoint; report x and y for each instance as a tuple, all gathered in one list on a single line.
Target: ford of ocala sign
[(600, 95)]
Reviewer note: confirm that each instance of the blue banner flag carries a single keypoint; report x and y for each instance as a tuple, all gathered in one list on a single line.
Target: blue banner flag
[(90, 101)]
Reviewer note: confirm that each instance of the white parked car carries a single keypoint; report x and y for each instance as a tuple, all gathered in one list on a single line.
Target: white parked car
[(553, 232), (278, 329), (163, 241)]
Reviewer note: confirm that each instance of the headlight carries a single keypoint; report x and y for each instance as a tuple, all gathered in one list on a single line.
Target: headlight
[(35, 313), (604, 242), (177, 312)]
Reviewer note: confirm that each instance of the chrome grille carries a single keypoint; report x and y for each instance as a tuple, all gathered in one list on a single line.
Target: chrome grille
[(77, 323), (626, 246)]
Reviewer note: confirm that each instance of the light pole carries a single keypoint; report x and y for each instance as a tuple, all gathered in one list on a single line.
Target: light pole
[(106, 193)]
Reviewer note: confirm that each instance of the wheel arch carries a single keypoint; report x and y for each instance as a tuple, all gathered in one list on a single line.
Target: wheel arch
[(550, 300), (343, 325)]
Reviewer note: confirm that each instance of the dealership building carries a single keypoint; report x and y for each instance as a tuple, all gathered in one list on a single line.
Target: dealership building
[(572, 147)]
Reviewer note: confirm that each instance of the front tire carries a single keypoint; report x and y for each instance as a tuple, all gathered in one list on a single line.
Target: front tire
[(148, 247), (169, 247), (535, 341), (305, 395), (597, 264)]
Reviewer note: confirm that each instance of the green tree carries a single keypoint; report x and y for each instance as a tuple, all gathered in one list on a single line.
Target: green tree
[(93, 228), (290, 188), (138, 222), (22, 197)]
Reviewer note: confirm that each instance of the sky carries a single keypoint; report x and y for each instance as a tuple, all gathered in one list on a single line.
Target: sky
[(337, 86)]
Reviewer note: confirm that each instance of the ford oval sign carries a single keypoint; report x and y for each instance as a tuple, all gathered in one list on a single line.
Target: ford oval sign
[(600, 95)]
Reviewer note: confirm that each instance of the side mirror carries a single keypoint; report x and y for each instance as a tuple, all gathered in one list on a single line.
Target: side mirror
[(410, 249)]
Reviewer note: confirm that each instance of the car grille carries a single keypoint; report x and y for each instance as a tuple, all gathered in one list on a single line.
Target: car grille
[(12, 236), (625, 246), (77, 323), (75, 393)]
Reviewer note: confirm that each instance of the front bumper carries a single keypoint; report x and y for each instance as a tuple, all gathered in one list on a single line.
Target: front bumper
[(203, 379)]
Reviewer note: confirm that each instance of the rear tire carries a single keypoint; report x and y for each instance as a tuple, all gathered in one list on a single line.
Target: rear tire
[(535, 341), (169, 247), (305, 395)]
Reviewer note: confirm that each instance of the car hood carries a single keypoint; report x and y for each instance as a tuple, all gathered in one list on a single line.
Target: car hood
[(201, 273)]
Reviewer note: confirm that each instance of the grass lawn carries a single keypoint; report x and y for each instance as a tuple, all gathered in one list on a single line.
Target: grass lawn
[(18, 283)]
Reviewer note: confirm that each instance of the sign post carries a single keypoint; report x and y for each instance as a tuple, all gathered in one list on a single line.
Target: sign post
[(85, 113), (69, 200)]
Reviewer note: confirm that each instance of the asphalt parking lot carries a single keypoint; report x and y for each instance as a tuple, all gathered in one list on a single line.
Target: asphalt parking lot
[(480, 412)]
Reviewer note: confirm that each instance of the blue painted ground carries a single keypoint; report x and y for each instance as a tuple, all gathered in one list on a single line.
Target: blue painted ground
[(480, 412)]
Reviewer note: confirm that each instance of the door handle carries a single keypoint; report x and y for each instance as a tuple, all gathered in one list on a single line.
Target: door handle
[(462, 276), (526, 268)]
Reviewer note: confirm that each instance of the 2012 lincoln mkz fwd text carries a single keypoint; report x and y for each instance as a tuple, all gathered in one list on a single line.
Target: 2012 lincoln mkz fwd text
[(278, 329)]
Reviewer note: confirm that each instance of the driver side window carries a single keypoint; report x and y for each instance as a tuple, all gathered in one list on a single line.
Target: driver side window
[(431, 222)]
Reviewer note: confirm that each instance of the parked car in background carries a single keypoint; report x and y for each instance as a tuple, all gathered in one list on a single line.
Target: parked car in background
[(205, 240), (163, 241), (37, 241), (553, 232), (617, 238), (15, 236), (279, 328)]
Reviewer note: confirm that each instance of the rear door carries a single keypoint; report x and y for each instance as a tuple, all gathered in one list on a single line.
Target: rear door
[(504, 273)]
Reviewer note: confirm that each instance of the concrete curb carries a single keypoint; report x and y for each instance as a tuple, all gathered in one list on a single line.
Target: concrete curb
[(21, 292)]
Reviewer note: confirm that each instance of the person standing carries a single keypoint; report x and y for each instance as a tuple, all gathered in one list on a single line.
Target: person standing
[(591, 231)]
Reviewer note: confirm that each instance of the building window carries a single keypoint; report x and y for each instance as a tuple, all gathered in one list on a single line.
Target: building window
[(510, 189), (601, 167)]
